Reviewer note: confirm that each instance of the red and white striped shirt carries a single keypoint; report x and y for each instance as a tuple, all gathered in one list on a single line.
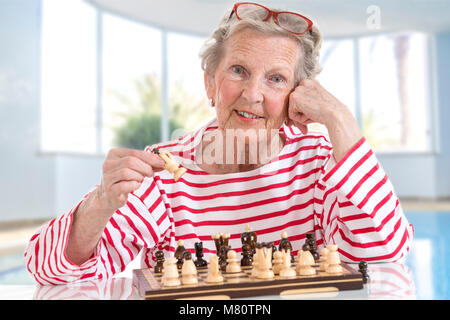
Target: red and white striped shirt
[(351, 203)]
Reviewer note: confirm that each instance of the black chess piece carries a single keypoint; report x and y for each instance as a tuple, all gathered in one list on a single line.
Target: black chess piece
[(286, 245), (311, 241), (364, 272), (223, 251), (159, 261), (179, 254), (247, 255), (250, 238), (199, 262)]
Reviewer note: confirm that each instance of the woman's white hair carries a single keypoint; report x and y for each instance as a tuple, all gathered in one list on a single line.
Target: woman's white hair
[(308, 65)]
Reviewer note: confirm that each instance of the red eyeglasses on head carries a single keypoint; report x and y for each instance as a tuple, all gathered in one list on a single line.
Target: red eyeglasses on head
[(290, 21)]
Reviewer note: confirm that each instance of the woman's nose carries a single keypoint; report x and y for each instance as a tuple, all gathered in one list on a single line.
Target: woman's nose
[(252, 91)]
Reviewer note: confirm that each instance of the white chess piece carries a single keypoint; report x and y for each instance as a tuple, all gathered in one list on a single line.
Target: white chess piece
[(170, 275), (214, 275), (233, 265), (189, 272), (323, 259), (265, 264), (277, 262), (286, 270), (333, 260), (305, 263)]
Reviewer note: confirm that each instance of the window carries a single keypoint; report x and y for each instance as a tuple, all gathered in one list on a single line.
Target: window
[(188, 103), (393, 84), (337, 76), (131, 78), (382, 80), (68, 76)]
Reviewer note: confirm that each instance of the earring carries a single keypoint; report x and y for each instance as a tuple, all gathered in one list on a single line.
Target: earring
[(211, 103)]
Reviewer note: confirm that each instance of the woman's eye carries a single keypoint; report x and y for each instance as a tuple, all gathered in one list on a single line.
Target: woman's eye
[(238, 69), (277, 79)]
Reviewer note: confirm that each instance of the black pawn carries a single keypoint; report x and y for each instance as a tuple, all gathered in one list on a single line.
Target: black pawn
[(247, 255), (159, 261), (364, 272)]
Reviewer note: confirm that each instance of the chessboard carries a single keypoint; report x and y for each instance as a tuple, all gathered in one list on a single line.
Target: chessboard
[(243, 285)]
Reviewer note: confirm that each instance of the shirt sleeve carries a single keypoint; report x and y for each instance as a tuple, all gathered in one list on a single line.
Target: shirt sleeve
[(140, 223), (357, 209)]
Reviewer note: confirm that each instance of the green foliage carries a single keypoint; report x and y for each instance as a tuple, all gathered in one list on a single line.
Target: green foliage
[(142, 116), (141, 130)]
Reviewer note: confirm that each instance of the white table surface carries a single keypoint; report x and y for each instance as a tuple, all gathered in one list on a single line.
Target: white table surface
[(387, 281)]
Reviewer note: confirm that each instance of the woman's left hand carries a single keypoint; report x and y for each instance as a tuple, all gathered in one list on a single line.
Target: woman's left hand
[(310, 102)]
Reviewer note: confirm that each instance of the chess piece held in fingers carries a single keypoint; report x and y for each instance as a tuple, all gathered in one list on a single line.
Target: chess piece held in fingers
[(171, 165)]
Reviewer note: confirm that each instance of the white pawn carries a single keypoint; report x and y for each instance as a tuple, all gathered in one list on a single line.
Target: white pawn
[(170, 275), (305, 263), (214, 275), (333, 260), (286, 270), (324, 259), (233, 265), (188, 271), (277, 262)]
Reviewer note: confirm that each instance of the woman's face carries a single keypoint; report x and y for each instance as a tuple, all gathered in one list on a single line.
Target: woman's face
[(254, 77)]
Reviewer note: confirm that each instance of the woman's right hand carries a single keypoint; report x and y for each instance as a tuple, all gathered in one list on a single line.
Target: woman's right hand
[(123, 171)]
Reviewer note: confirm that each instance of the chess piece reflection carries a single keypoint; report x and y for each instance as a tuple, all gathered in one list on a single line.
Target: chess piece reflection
[(171, 165)]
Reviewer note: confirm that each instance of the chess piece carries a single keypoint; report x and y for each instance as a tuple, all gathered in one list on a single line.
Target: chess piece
[(250, 238), (333, 259), (323, 259), (364, 272), (199, 262), (277, 262), (247, 255), (232, 262), (179, 253), (171, 165), (265, 262), (220, 239), (286, 270), (285, 245), (170, 273), (188, 271), (223, 251), (311, 241), (305, 262), (159, 261), (214, 275)]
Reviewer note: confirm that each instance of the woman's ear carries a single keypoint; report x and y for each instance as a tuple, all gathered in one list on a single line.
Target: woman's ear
[(209, 86)]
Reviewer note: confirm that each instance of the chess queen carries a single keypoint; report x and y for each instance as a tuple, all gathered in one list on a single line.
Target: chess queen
[(257, 162)]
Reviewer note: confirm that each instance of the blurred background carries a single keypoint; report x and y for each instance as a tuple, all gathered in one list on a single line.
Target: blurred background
[(78, 77)]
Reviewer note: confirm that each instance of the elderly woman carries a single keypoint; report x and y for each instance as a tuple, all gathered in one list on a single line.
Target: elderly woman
[(259, 69)]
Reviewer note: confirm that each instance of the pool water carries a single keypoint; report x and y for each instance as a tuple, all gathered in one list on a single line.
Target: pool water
[(428, 260)]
